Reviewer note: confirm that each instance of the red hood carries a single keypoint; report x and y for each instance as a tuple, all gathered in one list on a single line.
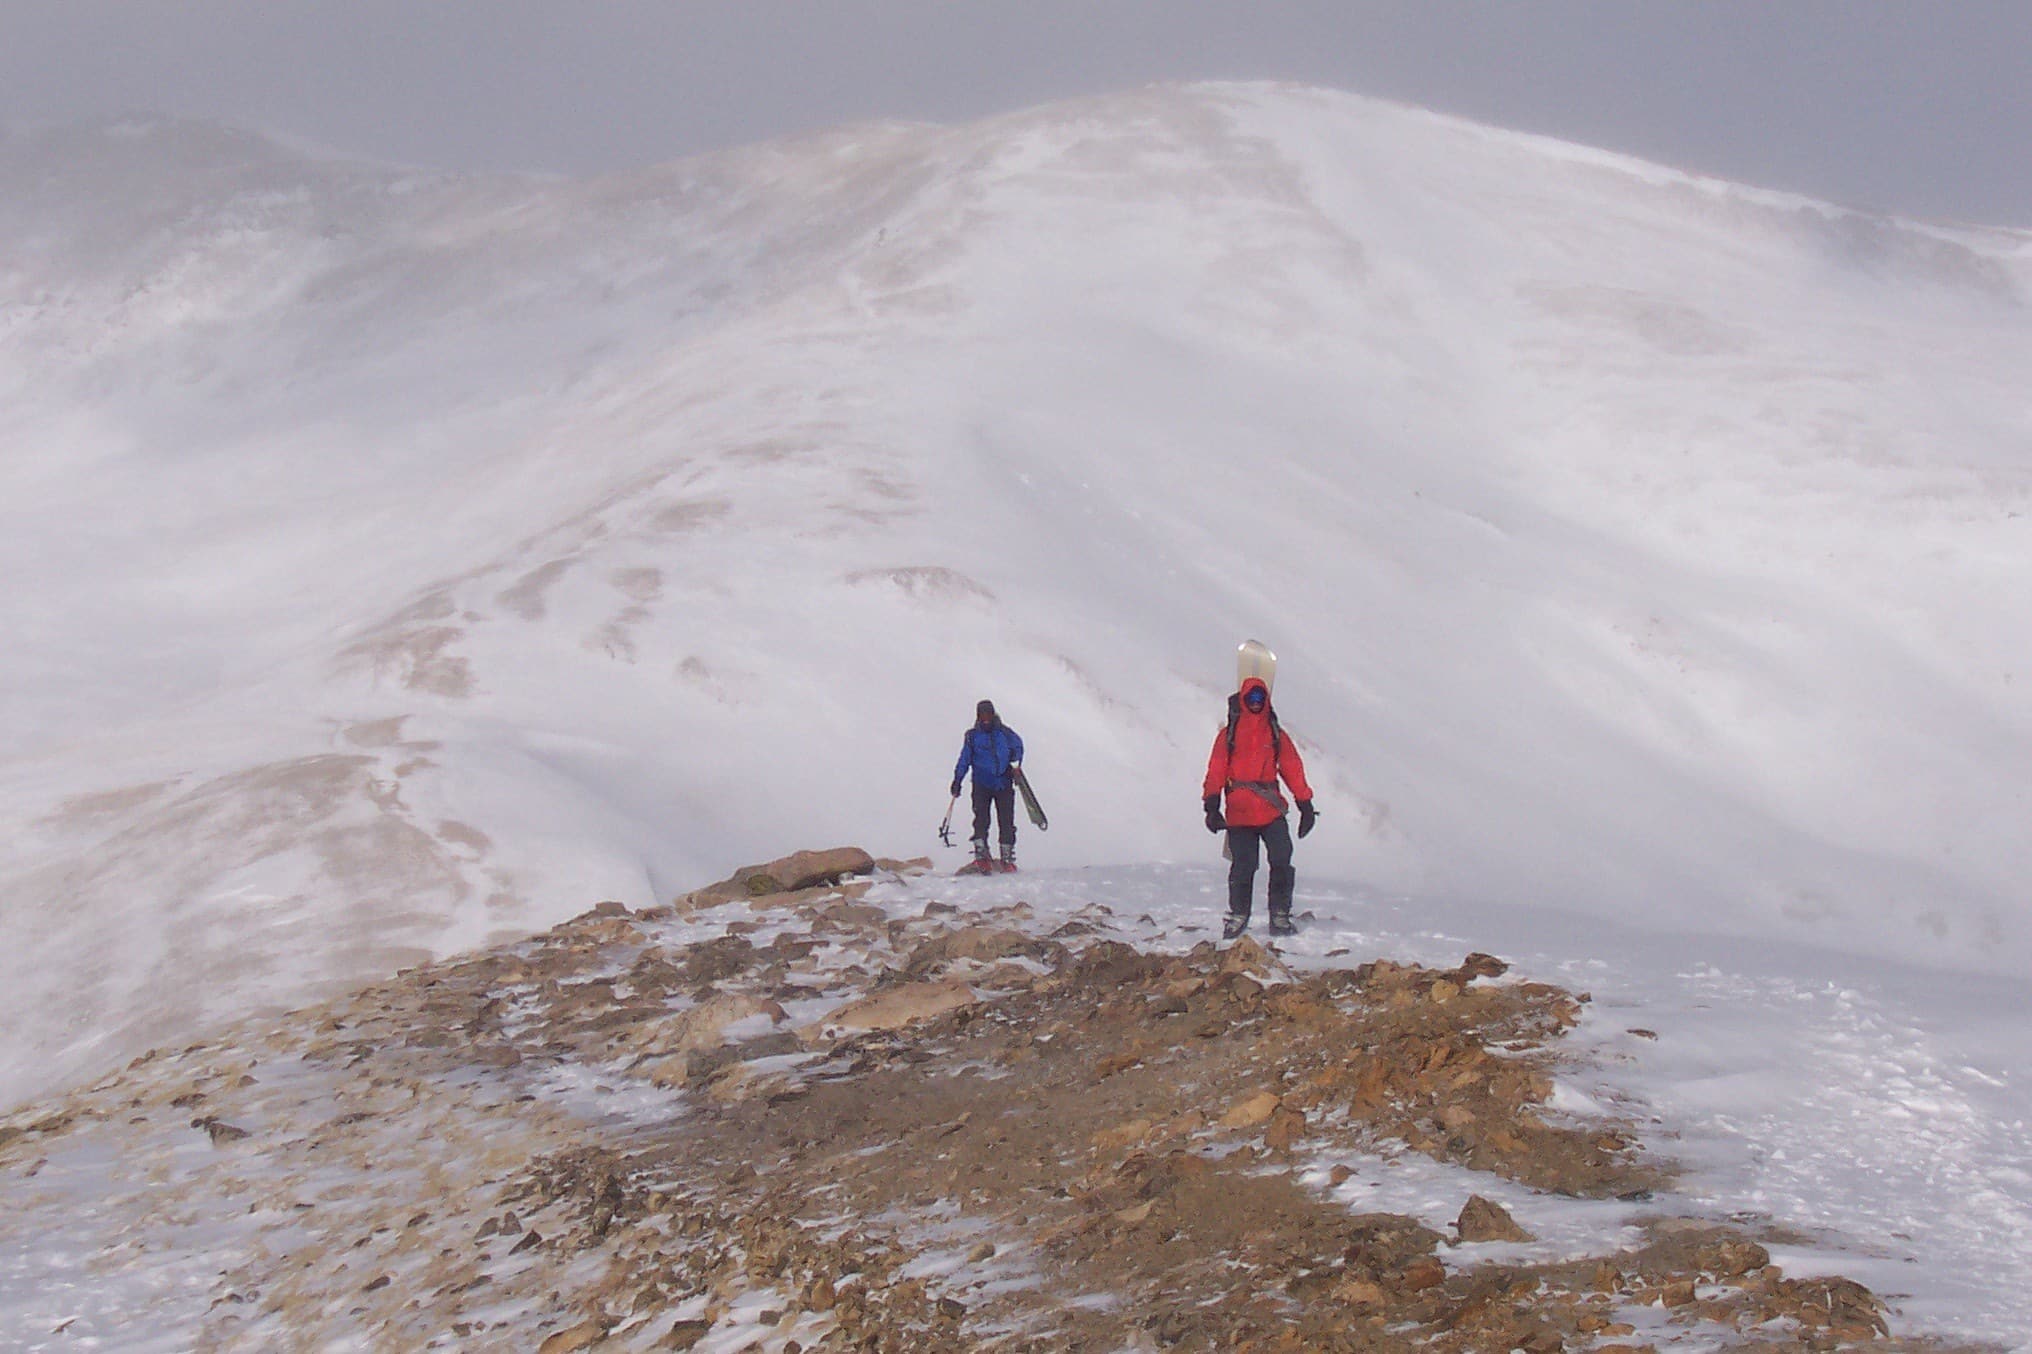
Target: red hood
[(1255, 683)]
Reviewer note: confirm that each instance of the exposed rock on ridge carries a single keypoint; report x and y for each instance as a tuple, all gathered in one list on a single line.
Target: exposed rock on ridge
[(812, 1116)]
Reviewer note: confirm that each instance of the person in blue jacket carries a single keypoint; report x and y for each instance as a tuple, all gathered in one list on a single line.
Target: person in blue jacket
[(992, 751)]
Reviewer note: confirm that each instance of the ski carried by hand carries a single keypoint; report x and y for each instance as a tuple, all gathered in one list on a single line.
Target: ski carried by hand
[(1030, 804)]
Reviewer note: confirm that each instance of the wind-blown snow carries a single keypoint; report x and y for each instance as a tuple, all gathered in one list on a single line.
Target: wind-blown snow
[(397, 561)]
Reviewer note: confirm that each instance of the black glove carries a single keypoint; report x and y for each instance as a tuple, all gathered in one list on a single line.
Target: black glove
[(1306, 817), (956, 790), (1214, 821)]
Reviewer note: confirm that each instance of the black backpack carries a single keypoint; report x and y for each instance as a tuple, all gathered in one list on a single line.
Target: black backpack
[(1276, 730)]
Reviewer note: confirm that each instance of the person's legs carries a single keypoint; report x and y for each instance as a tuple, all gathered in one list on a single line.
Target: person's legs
[(984, 800), (1244, 846), (1005, 811), (1283, 878)]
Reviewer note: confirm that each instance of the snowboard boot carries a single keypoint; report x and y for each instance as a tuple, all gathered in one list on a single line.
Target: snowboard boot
[(1283, 882), (1234, 925), (1007, 864), (980, 845)]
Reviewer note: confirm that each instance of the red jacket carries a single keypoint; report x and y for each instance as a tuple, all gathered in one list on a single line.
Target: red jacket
[(1250, 776)]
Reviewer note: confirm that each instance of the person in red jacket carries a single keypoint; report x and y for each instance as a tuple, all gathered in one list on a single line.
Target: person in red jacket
[(1250, 754)]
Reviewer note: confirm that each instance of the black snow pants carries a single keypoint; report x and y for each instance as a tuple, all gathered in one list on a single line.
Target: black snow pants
[(1243, 845), (1003, 802)]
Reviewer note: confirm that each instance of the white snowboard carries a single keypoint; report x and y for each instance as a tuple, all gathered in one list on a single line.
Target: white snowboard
[(1254, 659)]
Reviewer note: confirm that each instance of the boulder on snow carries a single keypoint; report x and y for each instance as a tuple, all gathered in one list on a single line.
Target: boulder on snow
[(792, 874), (1486, 1220), (804, 870)]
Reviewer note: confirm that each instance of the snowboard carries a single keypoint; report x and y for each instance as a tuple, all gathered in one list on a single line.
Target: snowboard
[(1030, 804), (1254, 659)]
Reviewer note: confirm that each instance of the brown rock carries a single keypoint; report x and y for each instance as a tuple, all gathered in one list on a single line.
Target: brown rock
[(704, 1026), (671, 1073), (1245, 955), (686, 1334), (578, 1337), (738, 1082), (1253, 1110), (1677, 1293), (1360, 1293), (1733, 1258), (1286, 1127), (1486, 1220), (1479, 965), (982, 944), (1116, 1062), (221, 1132), (1422, 1274), (1122, 1135), (1246, 958), (898, 1006), (804, 870)]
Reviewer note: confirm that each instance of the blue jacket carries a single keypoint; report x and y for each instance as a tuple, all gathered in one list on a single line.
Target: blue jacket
[(988, 753)]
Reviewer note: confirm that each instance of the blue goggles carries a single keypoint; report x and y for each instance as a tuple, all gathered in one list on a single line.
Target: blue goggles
[(1256, 699)]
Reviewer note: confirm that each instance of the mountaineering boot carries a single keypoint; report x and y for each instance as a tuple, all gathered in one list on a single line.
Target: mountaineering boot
[(1283, 882), (1008, 861), (1236, 923), (981, 863)]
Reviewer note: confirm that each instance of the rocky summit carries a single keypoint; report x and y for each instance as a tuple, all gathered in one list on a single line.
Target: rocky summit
[(824, 1105)]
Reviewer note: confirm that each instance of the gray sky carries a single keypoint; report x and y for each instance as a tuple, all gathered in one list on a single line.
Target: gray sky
[(1920, 108)]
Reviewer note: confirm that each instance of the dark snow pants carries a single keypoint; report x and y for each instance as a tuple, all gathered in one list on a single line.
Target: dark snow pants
[(1244, 844), (1003, 801)]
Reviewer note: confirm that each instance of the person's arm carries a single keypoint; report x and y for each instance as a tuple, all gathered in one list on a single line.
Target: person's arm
[(1291, 766), (960, 767), (1217, 766), (1216, 781)]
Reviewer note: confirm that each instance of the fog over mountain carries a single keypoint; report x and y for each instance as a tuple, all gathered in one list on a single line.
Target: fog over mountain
[(399, 560)]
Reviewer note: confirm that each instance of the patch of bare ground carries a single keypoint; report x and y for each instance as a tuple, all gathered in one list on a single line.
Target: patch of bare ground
[(907, 1128)]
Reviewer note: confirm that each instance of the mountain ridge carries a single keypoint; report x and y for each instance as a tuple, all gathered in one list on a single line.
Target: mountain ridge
[(579, 531)]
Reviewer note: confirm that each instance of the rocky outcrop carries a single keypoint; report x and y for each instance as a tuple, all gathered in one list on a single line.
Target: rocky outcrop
[(780, 1118)]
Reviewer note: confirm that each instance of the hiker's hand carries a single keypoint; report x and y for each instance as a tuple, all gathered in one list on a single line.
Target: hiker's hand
[(1306, 817), (955, 789), (1214, 821)]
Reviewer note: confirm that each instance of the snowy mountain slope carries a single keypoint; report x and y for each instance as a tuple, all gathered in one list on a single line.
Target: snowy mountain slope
[(400, 560)]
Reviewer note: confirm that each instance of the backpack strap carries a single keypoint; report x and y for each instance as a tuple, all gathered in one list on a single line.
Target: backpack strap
[(1276, 731)]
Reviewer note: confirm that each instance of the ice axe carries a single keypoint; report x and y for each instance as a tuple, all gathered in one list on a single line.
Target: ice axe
[(945, 824)]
